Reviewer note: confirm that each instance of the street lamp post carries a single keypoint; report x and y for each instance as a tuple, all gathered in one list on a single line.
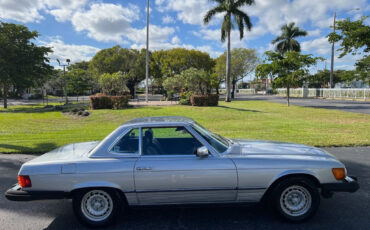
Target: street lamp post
[(331, 84), (332, 54), (147, 52), (64, 76)]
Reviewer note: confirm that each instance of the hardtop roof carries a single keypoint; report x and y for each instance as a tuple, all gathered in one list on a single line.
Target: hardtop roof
[(160, 120)]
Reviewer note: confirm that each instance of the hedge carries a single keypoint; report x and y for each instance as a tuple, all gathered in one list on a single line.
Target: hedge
[(204, 100), (101, 101)]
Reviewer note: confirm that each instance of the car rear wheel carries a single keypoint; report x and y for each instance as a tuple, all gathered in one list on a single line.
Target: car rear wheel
[(296, 199), (97, 207)]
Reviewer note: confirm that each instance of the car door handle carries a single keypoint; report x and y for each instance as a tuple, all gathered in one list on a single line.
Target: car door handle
[(143, 168)]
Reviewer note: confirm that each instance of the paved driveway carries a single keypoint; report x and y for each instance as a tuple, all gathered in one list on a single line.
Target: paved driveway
[(344, 211)]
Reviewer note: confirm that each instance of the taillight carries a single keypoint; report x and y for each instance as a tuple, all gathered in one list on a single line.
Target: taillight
[(24, 181)]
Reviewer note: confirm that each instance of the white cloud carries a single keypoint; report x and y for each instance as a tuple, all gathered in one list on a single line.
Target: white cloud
[(168, 19), (63, 51), (21, 10), (157, 34), (188, 11), (30, 11), (62, 10), (175, 40), (320, 45), (314, 33), (273, 14), (106, 22)]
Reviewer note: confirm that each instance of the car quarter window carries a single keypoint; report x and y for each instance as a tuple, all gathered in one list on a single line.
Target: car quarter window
[(129, 143), (168, 141)]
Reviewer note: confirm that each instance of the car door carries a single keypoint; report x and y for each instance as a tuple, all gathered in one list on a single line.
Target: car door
[(169, 172)]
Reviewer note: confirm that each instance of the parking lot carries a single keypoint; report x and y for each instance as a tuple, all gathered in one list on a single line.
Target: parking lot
[(343, 211)]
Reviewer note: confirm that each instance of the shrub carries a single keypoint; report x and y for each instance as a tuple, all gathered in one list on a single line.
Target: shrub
[(119, 102), (185, 98), (102, 101), (204, 100)]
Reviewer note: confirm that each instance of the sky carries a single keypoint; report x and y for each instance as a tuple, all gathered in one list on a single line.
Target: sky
[(77, 29)]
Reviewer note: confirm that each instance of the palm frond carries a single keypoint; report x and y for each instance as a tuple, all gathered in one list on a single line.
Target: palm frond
[(209, 15), (240, 23), (245, 18), (277, 39), (226, 26), (240, 3)]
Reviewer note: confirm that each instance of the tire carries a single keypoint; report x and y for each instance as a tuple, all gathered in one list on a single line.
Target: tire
[(97, 207), (295, 199)]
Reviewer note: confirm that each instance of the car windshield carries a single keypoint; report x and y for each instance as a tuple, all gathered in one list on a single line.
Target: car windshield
[(216, 141)]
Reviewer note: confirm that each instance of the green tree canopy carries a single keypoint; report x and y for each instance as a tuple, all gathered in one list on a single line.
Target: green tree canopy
[(353, 35), (113, 84), (21, 61), (129, 62), (243, 63), (363, 69), (78, 81), (168, 63), (288, 69), (192, 80)]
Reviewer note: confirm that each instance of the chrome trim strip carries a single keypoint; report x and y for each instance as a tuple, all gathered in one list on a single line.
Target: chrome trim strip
[(200, 190)]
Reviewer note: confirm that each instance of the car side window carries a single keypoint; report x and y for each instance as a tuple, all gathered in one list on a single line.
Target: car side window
[(129, 143), (168, 141)]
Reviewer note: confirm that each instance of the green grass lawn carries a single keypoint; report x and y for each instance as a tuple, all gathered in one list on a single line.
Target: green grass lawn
[(32, 129)]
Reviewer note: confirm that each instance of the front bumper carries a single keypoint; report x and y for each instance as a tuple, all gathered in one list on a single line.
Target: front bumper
[(349, 184), (17, 194)]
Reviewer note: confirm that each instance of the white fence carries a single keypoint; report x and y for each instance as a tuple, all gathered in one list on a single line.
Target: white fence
[(240, 91), (327, 93)]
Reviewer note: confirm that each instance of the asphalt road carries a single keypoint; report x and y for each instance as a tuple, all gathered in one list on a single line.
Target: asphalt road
[(343, 105), (343, 211)]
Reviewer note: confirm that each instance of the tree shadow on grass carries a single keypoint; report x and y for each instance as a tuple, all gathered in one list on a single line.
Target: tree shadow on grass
[(240, 110), (38, 149), (35, 108)]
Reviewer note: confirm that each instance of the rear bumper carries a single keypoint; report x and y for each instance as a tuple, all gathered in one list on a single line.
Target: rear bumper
[(349, 184), (17, 194)]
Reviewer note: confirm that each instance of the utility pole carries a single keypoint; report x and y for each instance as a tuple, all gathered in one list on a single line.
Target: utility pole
[(64, 76), (332, 54), (147, 52), (332, 49)]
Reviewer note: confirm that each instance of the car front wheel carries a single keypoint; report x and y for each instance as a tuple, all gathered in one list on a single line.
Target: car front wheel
[(97, 207), (296, 199)]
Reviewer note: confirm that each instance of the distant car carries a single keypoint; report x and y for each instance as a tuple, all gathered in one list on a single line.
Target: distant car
[(175, 161)]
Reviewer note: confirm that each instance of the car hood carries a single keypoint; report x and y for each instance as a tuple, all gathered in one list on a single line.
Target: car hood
[(67, 153), (256, 147)]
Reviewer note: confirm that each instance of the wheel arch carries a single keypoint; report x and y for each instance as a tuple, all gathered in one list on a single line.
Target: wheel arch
[(291, 174), (90, 186)]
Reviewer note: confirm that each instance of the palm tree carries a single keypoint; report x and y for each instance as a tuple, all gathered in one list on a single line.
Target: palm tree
[(286, 41), (233, 15)]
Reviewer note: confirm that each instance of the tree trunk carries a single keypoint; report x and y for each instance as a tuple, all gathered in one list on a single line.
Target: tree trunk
[(5, 96), (287, 94), (233, 83), (228, 66), (217, 91), (132, 90)]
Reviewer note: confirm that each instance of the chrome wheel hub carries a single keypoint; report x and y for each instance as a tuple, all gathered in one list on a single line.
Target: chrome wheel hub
[(295, 200), (96, 205)]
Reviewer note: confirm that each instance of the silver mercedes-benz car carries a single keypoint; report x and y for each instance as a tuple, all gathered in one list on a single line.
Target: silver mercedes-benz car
[(175, 161)]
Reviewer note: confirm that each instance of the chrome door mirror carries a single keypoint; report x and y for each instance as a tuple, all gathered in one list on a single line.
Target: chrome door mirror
[(202, 151)]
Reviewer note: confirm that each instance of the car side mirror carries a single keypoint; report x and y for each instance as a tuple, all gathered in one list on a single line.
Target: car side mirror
[(202, 151)]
